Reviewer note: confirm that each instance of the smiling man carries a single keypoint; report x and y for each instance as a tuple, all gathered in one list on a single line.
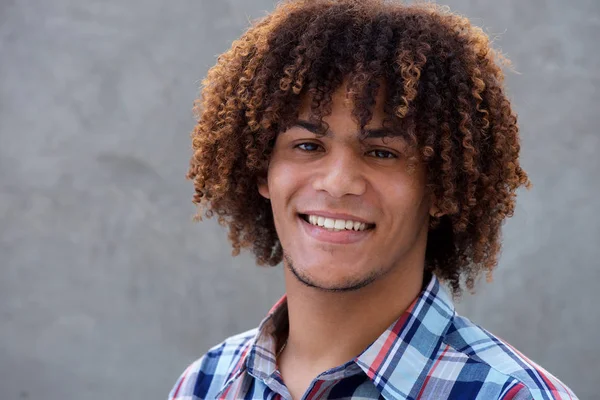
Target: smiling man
[(346, 209), (369, 146)]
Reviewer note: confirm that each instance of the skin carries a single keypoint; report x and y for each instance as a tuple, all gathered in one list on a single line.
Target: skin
[(336, 286)]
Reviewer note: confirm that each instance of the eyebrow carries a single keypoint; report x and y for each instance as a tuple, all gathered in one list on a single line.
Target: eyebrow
[(370, 133)]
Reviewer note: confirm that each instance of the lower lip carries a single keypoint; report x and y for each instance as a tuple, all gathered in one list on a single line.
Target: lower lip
[(339, 237)]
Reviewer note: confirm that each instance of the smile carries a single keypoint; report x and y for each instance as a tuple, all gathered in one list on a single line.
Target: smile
[(331, 230), (336, 225)]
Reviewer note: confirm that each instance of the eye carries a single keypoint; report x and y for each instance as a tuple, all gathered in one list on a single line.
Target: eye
[(378, 153), (308, 146)]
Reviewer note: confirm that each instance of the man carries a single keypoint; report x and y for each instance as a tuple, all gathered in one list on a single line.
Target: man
[(370, 147)]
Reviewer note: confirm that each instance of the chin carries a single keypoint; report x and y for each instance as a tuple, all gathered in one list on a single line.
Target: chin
[(330, 279)]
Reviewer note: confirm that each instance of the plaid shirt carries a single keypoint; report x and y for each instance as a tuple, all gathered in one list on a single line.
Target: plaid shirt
[(430, 352)]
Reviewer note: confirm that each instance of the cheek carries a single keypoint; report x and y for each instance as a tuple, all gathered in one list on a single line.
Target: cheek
[(404, 201), (285, 178), (284, 183)]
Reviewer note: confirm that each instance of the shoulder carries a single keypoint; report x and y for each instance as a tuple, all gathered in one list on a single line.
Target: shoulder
[(487, 358), (204, 377)]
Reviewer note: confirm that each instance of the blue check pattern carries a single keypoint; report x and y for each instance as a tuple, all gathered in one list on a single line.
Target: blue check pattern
[(430, 352)]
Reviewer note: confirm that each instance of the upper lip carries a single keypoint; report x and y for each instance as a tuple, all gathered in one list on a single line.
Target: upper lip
[(328, 214)]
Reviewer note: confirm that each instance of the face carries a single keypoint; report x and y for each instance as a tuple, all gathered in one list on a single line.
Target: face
[(347, 210)]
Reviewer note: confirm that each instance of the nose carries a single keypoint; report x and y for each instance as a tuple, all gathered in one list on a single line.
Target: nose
[(340, 174)]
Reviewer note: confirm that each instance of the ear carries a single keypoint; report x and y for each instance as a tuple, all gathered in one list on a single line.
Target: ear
[(263, 187)]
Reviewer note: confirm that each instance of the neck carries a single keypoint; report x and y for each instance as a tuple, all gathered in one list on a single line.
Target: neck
[(327, 329)]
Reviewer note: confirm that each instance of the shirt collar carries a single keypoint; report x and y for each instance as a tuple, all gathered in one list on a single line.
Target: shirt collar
[(257, 356), (414, 338)]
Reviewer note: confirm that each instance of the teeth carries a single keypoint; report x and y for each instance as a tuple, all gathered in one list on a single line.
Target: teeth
[(336, 225), (339, 224)]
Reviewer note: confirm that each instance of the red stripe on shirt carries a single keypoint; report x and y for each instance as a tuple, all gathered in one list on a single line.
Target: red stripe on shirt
[(431, 371), (391, 339), (183, 376), (315, 390), (546, 380), (513, 391)]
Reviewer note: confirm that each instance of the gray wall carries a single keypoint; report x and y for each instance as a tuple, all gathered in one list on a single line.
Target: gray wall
[(108, 290)]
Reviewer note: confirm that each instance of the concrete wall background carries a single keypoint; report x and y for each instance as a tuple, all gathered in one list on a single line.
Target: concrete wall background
[(107, 289)]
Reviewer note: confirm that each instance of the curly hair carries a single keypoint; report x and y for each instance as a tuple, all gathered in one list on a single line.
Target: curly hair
[(444, 93)]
